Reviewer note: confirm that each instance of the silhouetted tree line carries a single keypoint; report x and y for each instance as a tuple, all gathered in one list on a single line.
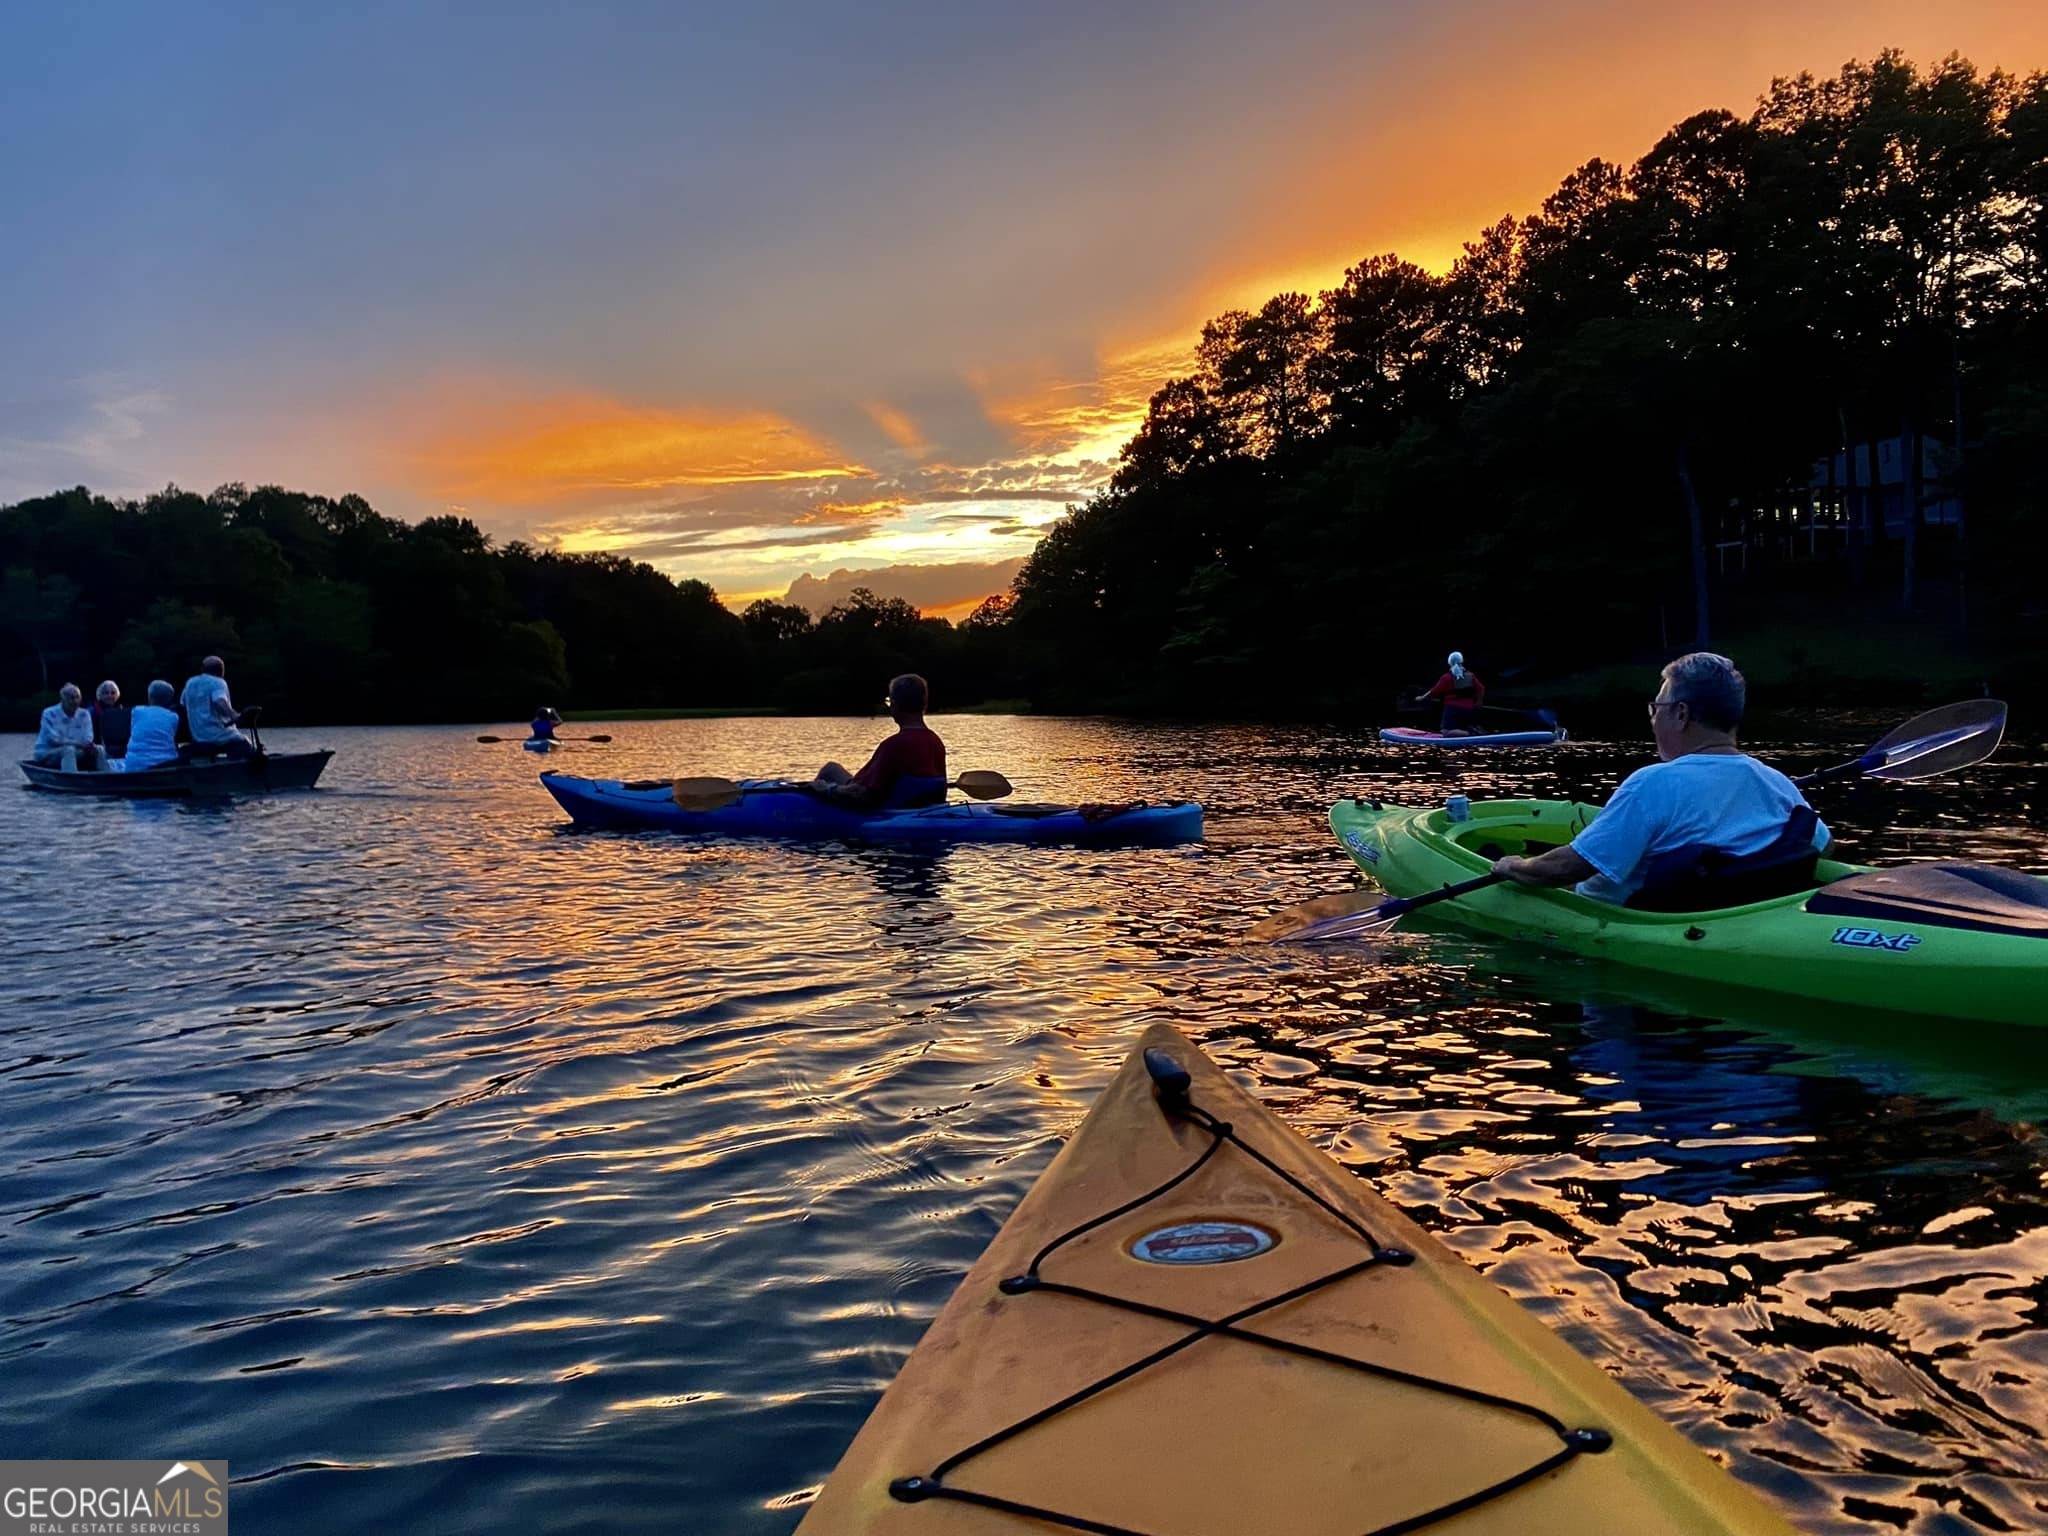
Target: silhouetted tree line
[(1544, 457), (327, 610), (1550, 453)]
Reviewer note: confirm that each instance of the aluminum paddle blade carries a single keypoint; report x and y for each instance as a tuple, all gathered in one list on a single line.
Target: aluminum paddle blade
[(1943, 740), (1326, 917)]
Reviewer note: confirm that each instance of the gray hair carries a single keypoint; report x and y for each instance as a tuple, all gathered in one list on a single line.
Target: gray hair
[(107, 690), (1710, 686), (70, 691), (162, 694)]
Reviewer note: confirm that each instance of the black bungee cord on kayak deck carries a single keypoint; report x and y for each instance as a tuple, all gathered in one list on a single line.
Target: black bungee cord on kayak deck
[(1171, 1083)]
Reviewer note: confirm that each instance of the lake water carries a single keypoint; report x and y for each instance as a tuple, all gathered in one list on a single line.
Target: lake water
[(445, 1169)]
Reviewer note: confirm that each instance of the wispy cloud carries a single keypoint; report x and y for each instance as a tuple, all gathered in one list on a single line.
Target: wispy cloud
[(89, 430), (692, 552), (850, 513), (898, 428), (512, 451)]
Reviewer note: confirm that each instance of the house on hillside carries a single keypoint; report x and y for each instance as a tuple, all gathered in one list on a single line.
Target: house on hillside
[(1939, 504), (1818, 520)]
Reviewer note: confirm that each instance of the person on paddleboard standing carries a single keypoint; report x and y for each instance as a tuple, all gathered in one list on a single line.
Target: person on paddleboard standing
[(1705, 826), (908, 768), (1462, 693)]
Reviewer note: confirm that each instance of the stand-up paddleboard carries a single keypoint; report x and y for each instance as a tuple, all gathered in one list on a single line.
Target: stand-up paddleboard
[(1407, 736)]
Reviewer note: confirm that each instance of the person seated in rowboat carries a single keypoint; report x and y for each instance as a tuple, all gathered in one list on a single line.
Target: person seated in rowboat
[(545, 719), (1705, 826), (64, 739), (110, 720), (152, 731), (1462, 693), (210, 715), (908, 768)]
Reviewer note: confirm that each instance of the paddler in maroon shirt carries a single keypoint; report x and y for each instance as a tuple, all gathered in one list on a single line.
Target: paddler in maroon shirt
[(907, 770)]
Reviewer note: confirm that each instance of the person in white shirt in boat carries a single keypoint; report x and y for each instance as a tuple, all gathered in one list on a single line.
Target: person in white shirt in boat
[(153, 731), (210, 715), (64, 740), (1706, 825)]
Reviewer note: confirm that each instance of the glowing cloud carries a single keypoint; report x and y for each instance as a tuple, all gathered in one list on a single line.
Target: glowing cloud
[(898, 428), (589, 447), (852, 513)]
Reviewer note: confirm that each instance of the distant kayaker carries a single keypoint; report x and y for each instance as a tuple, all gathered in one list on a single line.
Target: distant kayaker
[(153, 731), (545, 719), (210, 715), (908, 768), (66, 731), (1462, 693), (1705, 823), (110, 719)]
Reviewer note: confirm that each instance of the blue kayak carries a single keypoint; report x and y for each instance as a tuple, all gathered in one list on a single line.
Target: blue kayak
[(1404, 736), (775, 808)]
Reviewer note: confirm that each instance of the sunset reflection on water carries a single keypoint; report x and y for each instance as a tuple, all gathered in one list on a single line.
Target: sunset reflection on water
[(430, 1155)]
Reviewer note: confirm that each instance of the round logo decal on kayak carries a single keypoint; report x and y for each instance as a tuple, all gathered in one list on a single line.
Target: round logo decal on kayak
[(1203, 1242)]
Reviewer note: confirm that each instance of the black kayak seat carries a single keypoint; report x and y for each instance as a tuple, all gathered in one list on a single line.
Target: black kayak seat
[(1951, 894), (913, 792), (1699, 879)]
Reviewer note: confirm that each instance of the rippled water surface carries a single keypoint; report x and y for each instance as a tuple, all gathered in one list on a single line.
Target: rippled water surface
[(448, 1170)]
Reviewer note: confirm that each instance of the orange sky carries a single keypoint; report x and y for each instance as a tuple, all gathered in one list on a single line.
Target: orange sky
[(891, 335)]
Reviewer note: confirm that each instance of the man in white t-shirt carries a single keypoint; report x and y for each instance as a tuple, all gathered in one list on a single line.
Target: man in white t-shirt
[(210, 714), (1705, 802), (66, 732)]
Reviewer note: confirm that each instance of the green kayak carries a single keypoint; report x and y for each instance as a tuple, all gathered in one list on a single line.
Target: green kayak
[(1960, 940)]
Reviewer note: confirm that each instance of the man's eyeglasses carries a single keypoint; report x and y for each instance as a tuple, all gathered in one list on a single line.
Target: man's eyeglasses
[(1657, 704)]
